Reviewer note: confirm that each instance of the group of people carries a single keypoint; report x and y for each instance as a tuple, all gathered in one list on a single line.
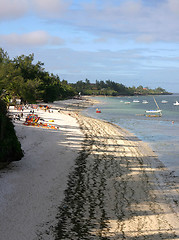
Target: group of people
[(18, 116)]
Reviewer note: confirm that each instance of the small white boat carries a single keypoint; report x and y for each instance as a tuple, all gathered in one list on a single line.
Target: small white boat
[(154, 113), (145, 101), (127, 102), (176, 103), (164, 101), (136, 101)]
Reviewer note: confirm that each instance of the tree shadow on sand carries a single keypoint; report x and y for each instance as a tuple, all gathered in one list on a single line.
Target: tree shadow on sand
[(101, 191)]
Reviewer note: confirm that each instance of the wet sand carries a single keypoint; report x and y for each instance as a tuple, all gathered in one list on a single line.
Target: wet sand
[(89, 180)]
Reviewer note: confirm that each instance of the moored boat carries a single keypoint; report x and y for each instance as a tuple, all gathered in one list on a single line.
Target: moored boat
[(164, 101), (176, 103), (154, 113), (97, 110)]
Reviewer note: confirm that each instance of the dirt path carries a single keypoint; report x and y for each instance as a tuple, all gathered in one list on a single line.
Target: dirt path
[(117, 190)]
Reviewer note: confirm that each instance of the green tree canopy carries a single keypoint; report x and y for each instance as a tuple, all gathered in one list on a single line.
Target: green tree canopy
[(22, 78)]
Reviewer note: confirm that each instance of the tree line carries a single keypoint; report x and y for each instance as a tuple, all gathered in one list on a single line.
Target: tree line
[(111, 88), (21, 78)]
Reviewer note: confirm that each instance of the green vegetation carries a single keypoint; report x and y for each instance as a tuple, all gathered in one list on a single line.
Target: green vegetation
[(110, 88), (10, 147), (20, 78)]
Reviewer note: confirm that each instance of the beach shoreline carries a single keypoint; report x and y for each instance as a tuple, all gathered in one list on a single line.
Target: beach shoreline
[(145, 192), (133, 193)]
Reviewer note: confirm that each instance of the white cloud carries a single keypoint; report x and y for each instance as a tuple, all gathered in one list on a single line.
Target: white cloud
[(12, 9), (56, 40), (37, 38), (174, 6), (50, 8), (119, 19), (146, 38), (131, 8), (130, 19)]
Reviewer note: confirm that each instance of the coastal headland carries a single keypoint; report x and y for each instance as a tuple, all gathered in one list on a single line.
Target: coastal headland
[(85, 179)]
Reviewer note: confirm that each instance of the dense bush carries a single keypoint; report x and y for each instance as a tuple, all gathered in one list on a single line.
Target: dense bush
[(10, 147)]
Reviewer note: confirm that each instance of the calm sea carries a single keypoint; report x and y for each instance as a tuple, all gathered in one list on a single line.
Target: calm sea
[(162, 133)]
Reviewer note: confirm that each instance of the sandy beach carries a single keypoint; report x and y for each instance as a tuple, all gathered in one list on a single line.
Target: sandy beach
[(88, 179)]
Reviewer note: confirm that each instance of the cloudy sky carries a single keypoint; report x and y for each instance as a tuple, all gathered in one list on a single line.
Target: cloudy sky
[(133, 42)]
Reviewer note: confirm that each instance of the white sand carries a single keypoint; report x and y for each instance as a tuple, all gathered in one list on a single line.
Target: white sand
[(32, 189), (139, 199)]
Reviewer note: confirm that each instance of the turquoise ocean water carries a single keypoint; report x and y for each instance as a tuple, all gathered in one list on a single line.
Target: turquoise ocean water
[(161, 133)]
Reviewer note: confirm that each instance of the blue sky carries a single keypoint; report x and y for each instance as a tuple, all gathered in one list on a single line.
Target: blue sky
[(133, 42)]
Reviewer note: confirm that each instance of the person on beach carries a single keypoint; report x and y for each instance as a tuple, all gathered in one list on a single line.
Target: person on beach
[(18, 117)]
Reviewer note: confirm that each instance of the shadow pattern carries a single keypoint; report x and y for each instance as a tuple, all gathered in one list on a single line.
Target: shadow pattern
[(100, 190)]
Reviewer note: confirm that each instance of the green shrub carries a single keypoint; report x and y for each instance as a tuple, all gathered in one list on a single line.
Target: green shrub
[(10, 147)]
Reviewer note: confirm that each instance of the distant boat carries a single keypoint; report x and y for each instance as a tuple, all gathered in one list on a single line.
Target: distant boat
[(127, 102), (154, 113), (176, 103), (164, 101), (136, 101), (97, 110), (145, 101)]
